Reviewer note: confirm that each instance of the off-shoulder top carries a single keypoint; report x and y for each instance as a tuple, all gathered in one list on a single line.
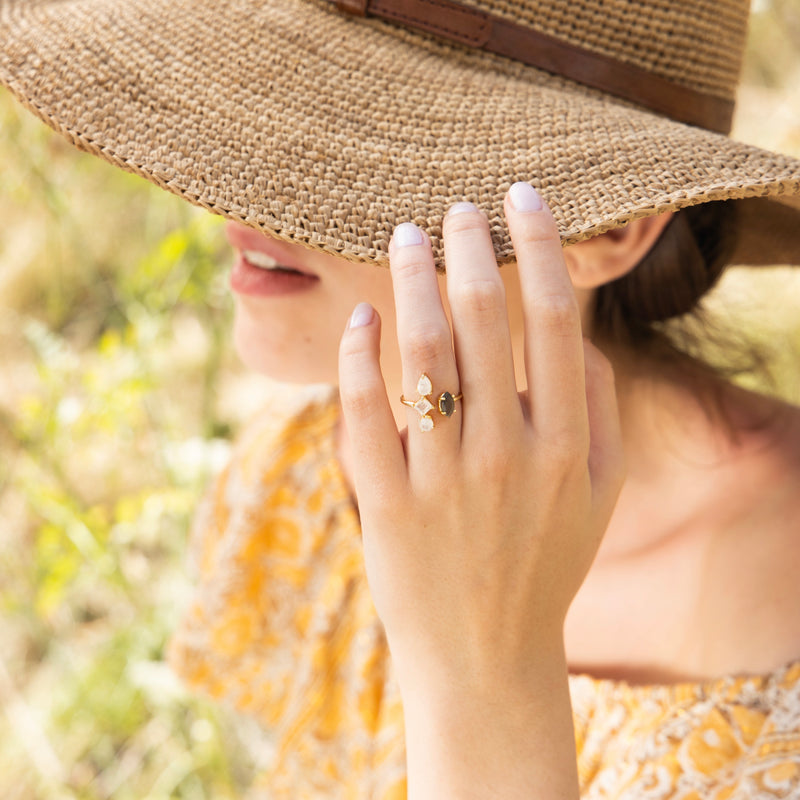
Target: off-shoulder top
[(282, 627)]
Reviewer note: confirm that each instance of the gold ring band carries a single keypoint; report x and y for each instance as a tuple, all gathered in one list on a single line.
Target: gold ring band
[(445, 403)]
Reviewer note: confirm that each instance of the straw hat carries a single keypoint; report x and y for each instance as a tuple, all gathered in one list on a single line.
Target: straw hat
[(328, 122)]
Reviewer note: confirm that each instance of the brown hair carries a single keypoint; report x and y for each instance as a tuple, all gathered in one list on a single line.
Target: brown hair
[(656, 309), (670, 280)]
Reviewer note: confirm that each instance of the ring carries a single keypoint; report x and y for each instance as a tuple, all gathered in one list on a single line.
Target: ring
[(446, 403)]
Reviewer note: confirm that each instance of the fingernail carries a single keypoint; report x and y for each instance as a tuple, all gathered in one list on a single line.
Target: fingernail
[(362, 315), (407, 234), (462, 208), (524, 197)]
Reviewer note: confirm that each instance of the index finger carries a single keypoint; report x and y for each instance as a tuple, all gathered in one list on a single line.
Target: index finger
[(553, 336)]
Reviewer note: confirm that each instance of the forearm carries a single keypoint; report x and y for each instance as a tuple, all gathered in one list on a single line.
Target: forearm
[(493, 740)]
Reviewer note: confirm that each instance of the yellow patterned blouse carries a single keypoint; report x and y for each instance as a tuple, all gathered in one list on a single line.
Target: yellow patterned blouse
[(283, 628)]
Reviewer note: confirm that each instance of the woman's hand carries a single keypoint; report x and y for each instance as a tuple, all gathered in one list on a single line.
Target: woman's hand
[(479, 532)]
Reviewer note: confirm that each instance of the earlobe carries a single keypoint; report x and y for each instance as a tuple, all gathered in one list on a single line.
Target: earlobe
[(611, 255)]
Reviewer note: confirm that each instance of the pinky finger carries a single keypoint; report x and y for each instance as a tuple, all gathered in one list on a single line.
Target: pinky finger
[(606, 453), (377, 456)]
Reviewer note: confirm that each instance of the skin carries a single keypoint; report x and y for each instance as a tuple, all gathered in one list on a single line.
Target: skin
[(531, 484), (579, 583)]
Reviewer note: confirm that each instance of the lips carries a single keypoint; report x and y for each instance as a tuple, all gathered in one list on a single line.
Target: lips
[(264, 266), (261, 260), (262, 252)]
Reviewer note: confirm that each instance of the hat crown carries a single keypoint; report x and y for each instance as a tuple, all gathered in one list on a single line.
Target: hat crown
[(694, 43)]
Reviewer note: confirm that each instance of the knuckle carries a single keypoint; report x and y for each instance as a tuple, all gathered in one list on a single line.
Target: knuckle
[(378, 497), (564, 451), (536, 229), (465, 223), (557, 313), (359, 398), (481, 297), (494, 468), (494, 463), (428, 345), (351, 349), (411, 267)]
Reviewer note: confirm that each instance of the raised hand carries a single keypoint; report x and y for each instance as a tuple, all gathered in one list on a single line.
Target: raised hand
[(479, 531)]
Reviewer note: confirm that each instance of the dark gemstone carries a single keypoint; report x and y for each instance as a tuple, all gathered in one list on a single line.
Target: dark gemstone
[(447, 405)]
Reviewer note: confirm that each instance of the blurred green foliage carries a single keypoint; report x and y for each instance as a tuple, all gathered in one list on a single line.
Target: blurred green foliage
[(113, 354), (114, 336)]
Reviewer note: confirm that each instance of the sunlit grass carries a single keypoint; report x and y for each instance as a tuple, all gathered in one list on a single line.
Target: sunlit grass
[(114, 340)]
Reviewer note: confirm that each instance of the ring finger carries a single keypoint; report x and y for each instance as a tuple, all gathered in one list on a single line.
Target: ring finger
[(426, 347)]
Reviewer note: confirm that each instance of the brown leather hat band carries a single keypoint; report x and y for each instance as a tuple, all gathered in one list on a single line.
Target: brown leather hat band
[(451, 20)]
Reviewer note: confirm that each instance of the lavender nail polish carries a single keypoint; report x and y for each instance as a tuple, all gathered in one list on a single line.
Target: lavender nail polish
[(407, 234), (524, 197)]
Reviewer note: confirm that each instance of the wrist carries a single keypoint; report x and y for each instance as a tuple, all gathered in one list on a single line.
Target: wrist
[(439, 688), (518, 668), (501, 734)]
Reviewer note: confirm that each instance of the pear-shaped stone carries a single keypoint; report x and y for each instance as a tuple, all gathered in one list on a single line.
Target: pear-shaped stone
[(426, 424), (424, 385)]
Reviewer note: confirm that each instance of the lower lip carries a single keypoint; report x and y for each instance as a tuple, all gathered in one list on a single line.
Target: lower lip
[(249, 280)]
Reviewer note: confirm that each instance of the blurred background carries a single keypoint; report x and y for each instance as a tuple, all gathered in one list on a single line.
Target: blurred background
[(119, 395)]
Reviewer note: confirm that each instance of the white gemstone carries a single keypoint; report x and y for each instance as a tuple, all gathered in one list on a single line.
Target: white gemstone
[(426, 424), (424, 386), (423, 405)]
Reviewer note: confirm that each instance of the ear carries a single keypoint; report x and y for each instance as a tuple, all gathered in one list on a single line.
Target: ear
[(610, 255)]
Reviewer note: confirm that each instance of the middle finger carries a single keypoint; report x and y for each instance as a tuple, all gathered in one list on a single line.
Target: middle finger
[(480, 324)]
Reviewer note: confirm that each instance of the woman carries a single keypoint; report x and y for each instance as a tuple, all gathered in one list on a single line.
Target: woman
[(481, 523)]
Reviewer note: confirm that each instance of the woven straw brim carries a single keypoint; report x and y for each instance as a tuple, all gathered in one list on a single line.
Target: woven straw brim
[(329, 130)]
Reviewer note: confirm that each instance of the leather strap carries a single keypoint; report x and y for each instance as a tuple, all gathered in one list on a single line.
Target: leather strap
[(451, 20)]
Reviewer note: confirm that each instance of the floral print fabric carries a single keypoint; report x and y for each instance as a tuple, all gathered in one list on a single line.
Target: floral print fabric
[(283, 628)]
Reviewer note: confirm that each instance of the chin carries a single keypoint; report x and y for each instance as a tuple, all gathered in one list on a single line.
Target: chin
[(294, 361)]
